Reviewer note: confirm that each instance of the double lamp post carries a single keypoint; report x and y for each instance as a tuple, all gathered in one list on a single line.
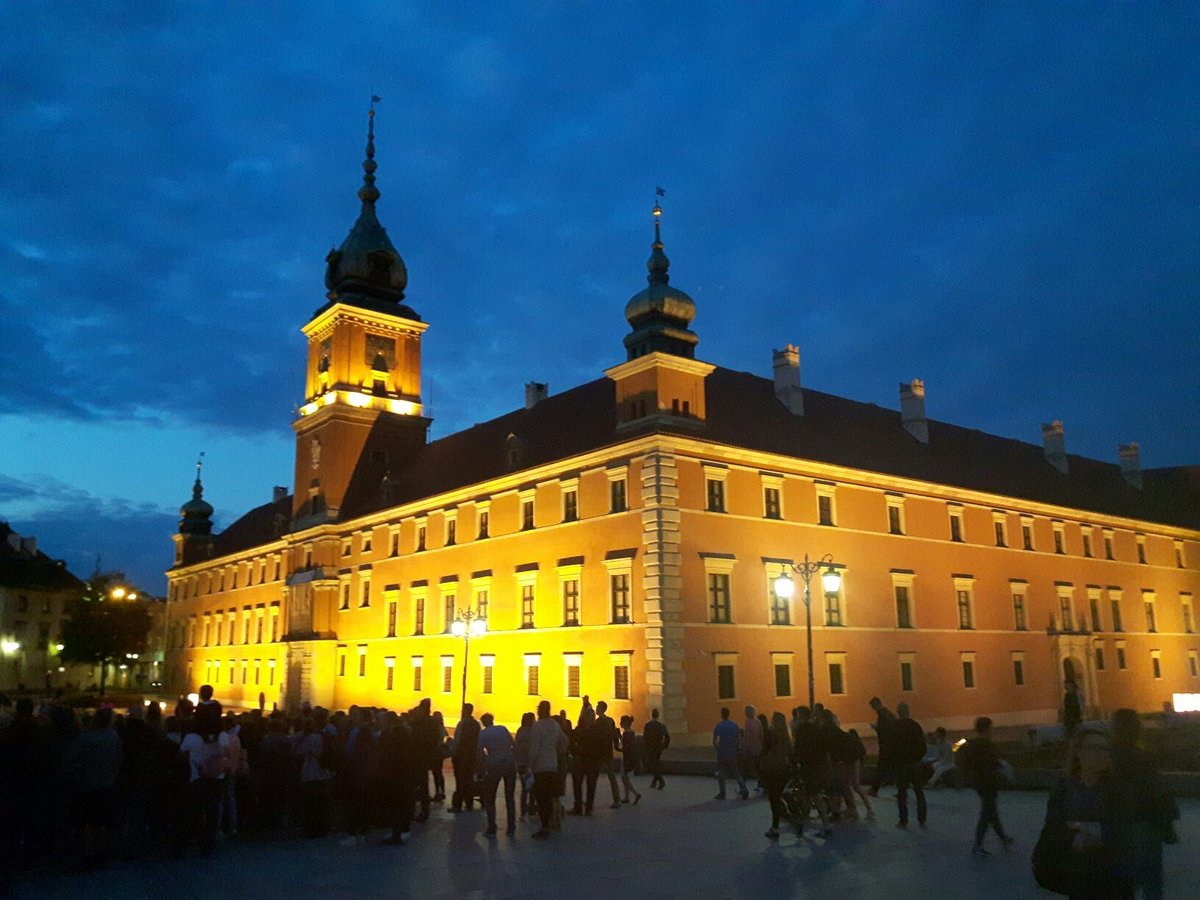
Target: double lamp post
[(785, 589), (467, 624)]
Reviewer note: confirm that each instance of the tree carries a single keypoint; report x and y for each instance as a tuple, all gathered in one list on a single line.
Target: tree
[(105, 624)]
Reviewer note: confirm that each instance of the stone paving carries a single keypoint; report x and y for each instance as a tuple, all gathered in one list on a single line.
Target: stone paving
[(677, 842)]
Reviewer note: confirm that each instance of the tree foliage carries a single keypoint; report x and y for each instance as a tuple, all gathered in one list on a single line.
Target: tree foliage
[(100, 629)]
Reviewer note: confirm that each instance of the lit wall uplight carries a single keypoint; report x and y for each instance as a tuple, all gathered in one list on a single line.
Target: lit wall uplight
[(403, 407), (1186, 703), (359, 399)]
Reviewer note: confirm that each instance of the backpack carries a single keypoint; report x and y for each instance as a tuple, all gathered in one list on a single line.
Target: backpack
[(212, 759), (328, 759)]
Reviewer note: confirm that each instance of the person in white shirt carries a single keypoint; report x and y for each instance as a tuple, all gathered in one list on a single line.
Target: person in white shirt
[(547, 744), (207, 753)]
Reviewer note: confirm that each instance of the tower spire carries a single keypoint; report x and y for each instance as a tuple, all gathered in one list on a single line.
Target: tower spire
[(658, 262), (198, 488), (368, 193)]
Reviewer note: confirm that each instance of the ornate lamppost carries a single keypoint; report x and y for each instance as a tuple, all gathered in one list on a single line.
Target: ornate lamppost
[(785, 588), (468, 624)]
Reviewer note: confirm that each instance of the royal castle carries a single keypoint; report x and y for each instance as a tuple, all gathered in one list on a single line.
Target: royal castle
[(622, 539)]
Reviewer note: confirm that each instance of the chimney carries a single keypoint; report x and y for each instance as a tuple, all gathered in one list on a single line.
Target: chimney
[(787, 378), (14, 541), (1131, 464), (29, 545), (535, 393), (1054, 444), (278, 493), (912, 410)]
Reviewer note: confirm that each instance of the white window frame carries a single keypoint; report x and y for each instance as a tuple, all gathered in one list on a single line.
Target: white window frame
[(965, 583), (619, 566), (964, 657), (895, 501), (775, 483), (836, 658), (1065, 595), (717, 564), (826, 489), (720, 660), (905, 580), (720, 475), (783, 658)]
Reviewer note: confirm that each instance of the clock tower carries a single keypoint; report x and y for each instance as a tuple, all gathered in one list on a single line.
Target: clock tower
[(362, 415)]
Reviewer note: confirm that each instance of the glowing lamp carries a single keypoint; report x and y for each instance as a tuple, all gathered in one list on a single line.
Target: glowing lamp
[(478, 626), (831, 580), (117, 593), (193, 698), (58, 647), (10, 647), (785, 588)]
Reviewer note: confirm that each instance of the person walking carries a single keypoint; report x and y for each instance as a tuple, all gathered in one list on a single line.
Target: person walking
[(855, 754), (775, 768), (811, 754), (521, 756), (606, 740), (1153, 810), (725, 741), (655, 739), (437, 767), (466, 750), (884, 720), (496, 747), (908, 751), (751, 747), (982, 767), (582, 758), (547, 744), (629, 758), (399, 771), (1072, 714), (427, 748)]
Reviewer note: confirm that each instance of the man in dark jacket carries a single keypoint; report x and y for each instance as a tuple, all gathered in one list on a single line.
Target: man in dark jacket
[(427, 750), (655, 739), (466, 748), (605, 739), (884, 720), (908, 748), (982, 768)]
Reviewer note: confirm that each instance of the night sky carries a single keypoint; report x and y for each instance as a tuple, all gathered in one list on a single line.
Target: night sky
[(1003, 202)]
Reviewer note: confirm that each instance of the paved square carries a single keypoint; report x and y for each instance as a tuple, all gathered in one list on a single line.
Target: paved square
[(677, 842)]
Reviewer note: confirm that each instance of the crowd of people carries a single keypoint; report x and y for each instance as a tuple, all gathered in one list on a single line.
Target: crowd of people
[(1106, 821), (88, 787), (92, 786)]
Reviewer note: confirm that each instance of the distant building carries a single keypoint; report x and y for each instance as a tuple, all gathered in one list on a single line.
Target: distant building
[(622, 539), (34, 592)]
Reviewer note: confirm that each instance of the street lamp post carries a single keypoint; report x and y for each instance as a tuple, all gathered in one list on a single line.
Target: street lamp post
[(785, 588), (466, 624)]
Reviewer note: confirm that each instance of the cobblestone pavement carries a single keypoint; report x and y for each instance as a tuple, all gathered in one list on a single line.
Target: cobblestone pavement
[(678, 842)]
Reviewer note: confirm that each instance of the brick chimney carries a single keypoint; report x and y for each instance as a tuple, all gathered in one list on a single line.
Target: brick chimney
[(535, 393), (1131, 464), (278, 493), (912, 410), (1054, 445), (787, 378)]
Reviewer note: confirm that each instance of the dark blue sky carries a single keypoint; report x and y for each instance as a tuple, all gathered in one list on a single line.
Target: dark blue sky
[(1003, 202)]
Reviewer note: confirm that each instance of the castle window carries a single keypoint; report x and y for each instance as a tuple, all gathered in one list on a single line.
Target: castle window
[(570, 496), (826, 511)]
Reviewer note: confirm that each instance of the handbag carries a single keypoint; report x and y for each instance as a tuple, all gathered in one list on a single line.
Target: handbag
[(1059, 867)]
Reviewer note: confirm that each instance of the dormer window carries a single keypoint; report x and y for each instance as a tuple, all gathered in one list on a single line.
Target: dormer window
[(381, 265)]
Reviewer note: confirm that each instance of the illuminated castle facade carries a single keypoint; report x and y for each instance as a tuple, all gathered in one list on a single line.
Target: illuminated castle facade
[(622, 539)]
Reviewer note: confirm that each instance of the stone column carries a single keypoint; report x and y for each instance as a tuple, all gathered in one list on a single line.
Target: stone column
[(661, 589)]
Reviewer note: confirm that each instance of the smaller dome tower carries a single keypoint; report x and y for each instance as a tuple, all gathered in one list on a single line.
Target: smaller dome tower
[(194, 540), (659, 313)]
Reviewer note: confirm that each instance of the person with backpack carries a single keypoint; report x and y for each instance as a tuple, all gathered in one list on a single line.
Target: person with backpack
[(206, 749)]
